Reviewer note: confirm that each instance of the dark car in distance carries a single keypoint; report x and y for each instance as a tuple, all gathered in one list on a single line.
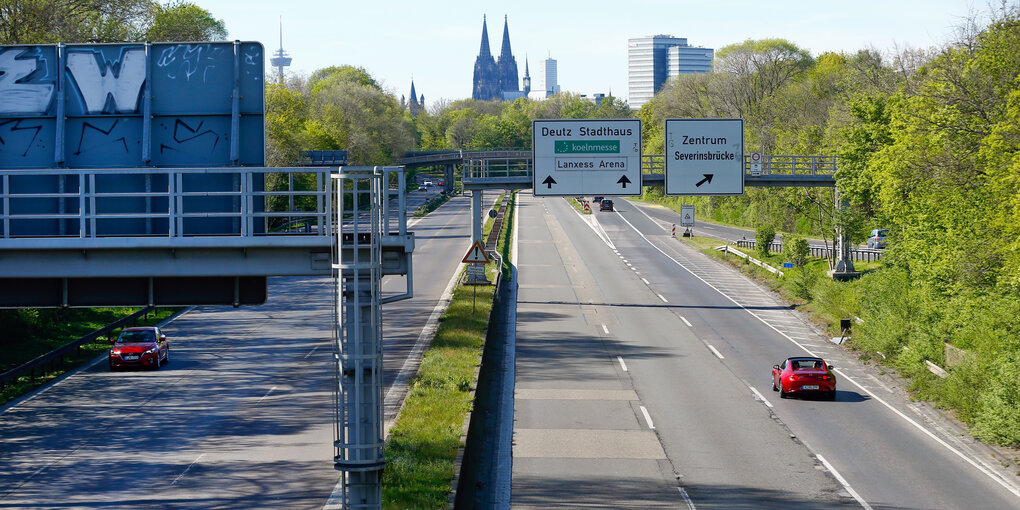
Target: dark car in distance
[(606, 205), (139, 347), (804, 375)]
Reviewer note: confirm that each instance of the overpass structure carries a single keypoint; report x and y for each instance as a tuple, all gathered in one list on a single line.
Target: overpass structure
[(513, 169)]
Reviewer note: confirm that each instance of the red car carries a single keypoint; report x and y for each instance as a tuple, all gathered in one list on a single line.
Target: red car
[(140, 347), (804, 375)]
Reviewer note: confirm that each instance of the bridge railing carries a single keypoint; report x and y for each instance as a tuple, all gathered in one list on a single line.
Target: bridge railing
[(164, 202)]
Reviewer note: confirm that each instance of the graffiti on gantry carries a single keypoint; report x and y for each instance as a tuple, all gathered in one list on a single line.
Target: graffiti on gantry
[(102, 136), (11, 133), (112, 87), (190, 61), (26, 85), (184, 133), (130, 105)]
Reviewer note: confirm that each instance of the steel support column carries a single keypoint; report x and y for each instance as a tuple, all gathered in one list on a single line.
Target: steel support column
[(358, 439)]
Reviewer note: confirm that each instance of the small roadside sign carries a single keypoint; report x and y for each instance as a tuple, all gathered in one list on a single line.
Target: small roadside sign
[(755, 164), (686, 215), (476, 254)]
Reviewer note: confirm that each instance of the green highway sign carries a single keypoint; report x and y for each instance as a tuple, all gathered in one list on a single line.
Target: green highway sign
[(587, 147)]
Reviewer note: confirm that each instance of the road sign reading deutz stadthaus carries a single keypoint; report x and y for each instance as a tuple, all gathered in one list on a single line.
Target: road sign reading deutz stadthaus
[(586, 157), (704, 157)]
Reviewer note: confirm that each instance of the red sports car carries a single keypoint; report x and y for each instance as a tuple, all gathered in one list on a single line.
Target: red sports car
[(140, 347), (804, 375)]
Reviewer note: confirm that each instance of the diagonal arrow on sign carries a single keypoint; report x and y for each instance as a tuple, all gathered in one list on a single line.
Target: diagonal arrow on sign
[(708, 179)]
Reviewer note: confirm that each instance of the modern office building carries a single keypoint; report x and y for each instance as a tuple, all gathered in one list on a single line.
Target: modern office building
[(552, 86), (654, 59)]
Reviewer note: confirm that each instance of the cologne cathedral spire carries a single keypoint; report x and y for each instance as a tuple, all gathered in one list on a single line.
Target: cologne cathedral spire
[(486, 78)]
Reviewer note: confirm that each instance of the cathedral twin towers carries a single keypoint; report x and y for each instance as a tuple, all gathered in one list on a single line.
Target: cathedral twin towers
[(497, 80)]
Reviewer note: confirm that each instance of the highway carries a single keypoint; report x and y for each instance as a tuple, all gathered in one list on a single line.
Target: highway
[(242, 417), (622, 329)]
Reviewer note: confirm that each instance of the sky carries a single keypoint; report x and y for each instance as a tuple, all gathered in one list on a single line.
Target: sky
[(435, 43)]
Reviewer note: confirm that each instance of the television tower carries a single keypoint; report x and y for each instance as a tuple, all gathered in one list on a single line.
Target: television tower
[(280, 58)]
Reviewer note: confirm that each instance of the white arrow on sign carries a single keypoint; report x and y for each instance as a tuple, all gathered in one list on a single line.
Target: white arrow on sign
[(476, 254)]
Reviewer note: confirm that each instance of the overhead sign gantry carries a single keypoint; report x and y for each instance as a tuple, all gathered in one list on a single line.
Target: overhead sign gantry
[(586, 157), (704, 157)]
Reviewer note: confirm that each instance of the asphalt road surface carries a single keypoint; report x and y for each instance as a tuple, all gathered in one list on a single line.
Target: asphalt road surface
[(622, 329), (242, 417)]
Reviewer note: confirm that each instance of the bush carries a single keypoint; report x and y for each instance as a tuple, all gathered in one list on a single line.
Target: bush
[(796, 250), (763, 239), (999, 418)]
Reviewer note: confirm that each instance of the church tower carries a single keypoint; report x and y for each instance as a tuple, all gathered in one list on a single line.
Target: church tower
[(507, 63), (413, 105), (526, 81), (486, 78)]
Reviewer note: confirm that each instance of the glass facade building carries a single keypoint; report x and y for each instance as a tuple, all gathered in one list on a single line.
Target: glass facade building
[(552, 85), (654, 59)]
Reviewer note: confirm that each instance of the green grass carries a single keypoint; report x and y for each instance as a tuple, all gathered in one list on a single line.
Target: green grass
[(422, 448), (30, 333)]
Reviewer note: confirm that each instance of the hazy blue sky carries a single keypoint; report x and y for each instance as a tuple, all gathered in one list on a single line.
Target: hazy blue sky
[(437, 42)]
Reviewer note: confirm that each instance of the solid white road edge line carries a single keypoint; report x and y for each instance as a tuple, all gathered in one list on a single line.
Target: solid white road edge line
[(760, 397), (647, 417), (622, 364), (1005, 484), (846, 485), (932, 435), (714, 351), (686, 498), (687, 322)]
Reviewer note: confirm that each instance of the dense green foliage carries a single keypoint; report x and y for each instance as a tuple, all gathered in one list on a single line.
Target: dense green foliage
[(98, 21), (929, 147)]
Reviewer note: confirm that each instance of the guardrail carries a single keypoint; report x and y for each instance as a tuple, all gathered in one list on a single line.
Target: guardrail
[(163, 202), (57, 355), (818, 251)]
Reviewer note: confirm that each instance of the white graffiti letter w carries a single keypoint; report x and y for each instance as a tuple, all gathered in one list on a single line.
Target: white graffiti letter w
[(97, 85), (21, 97)]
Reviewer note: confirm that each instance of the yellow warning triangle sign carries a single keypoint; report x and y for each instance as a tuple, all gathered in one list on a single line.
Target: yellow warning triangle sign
[(476, 254)]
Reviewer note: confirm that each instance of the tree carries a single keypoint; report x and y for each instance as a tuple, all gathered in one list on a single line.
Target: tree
[(73, 21), (184, 21)]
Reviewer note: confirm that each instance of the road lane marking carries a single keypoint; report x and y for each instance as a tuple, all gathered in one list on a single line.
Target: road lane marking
[(761, 397), (186, 470), (647, 417), (687, 322), (646, 281), (662, 298), (311, 351), (987, 472), (714, 351), (605, 329), (846, 485), (622, 364), (686, 498)]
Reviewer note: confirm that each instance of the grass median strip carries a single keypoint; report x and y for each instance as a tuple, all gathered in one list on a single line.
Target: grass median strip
[(422, 448)]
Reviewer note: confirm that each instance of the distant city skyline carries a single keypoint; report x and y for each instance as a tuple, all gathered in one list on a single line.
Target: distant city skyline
[(394, 41)]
